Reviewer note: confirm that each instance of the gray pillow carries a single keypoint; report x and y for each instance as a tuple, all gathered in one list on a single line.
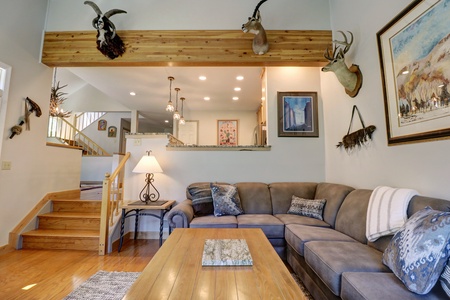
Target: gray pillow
[(307, 208), (202, 201), (445, 279), (226, 200)]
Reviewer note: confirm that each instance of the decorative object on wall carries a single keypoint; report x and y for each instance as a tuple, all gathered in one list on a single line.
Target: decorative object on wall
[(148, 165), (182, 120), (108, 42), (188, 133), (359, 137), (30, 107), (227, 132), (350, 78), (112, 131), (297, 114), (101, 125), (57, 99), (169, 106), (260, 44), (414, 56), (176, 114)]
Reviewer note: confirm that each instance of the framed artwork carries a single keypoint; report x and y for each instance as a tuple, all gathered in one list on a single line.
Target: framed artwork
[(414, 61), (297, 114), (101, 125), (188, 133), (227, 132), (112, 131)]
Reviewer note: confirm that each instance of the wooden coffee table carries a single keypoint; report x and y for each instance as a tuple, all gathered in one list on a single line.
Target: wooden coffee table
[(176, 272)]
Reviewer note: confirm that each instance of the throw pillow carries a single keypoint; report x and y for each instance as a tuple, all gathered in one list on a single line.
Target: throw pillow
[(226, 200), (419, 251), (202, 201), (445, 279), (307, 208)]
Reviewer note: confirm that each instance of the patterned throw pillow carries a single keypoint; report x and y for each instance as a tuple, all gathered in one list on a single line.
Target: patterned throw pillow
[(445, 279), (307, 208), (202, 201), (419, 251), (226, 200)]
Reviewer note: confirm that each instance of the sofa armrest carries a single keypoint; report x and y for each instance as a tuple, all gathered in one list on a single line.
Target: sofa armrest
[(181, 215)]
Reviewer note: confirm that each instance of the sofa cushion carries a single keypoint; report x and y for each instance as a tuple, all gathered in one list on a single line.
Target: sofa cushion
[(202, 201), (294, 219), (271, 226), (419, 251), (307, 208), (226, 200), (335, 195), (214, 222), (298, 235), (329, 259), (255, 197), (371, 285), (352, 216), (281, 194)]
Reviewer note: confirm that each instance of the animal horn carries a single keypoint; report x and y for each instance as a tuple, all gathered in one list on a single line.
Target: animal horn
[(94, 6), (114, 11), (257, 8)]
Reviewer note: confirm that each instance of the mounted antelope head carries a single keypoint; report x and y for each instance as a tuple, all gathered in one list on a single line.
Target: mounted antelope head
[(350, 78), (260, 44), (108, 42)]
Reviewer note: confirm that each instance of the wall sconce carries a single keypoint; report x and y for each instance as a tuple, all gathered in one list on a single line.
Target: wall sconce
[(169, 106), (148, 165)]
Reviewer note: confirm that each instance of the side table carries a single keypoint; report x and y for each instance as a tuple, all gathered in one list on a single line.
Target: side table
[(139, 208)]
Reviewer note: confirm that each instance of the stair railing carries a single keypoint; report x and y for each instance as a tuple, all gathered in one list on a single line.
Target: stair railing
[(112, 199), (67, 134), (84, 119)]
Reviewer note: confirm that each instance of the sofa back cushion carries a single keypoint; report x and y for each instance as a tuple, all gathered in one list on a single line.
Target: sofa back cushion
[(282, 192), (352, 216), (255, 197), (335, 195)]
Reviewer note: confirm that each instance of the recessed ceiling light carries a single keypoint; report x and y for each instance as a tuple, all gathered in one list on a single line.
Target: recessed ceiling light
[(405, 72), (206, 98), (202, 77), (237, 89), (240, 77), (263, 98), (132, 93), (235, 98), (166, 121)]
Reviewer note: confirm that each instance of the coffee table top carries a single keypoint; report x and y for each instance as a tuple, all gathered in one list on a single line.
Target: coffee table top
[(176, 272)]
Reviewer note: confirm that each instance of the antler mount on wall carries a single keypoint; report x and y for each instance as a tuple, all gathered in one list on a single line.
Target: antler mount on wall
[(260, 44)]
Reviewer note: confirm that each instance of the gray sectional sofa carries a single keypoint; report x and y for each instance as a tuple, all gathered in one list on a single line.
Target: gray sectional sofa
[(331, 256)]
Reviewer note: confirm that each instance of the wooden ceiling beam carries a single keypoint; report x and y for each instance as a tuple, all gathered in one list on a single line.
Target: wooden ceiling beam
[(188, 48)]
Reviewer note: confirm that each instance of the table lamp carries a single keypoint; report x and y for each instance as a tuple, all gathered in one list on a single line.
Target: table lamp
[(148, 165)]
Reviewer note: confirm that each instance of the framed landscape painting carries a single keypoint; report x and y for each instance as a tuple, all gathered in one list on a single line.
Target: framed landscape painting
[(297, 114), (414, 59), (227, 132)]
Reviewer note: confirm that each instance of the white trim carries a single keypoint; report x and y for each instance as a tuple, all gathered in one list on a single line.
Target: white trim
[(4, 85)]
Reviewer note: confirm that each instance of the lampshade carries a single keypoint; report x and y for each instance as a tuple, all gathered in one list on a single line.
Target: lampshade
[(148, 164)]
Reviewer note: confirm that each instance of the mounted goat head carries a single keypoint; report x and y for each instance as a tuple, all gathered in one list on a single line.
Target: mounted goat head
[(260, 43), (350, 78), (108, 42)]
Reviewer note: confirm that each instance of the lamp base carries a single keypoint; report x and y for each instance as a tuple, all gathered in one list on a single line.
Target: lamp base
[(146, 195)]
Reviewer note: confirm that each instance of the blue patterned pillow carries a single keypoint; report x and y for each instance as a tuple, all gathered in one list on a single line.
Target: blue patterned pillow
[(445, 279), (226, 200), (419, 251), (307, 208), (202, 202)]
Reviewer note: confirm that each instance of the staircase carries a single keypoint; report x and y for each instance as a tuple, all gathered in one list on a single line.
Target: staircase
[(72, 225)]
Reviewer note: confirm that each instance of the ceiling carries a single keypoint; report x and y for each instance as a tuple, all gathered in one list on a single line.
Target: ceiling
[(151, 86)]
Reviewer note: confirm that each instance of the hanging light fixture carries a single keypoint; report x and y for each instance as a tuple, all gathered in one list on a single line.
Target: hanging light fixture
[(176, 114), (169, 106), (182, 121)]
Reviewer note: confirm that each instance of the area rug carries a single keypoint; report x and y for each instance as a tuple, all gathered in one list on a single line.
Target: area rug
[(302, 287), (104, 286)]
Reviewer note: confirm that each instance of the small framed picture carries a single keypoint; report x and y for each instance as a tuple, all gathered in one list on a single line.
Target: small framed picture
[(297, 114), (112, 131), (227, 132), (101, 125)]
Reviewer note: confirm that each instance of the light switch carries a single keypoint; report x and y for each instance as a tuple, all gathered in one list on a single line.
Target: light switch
[(137, 142), (6, 165)]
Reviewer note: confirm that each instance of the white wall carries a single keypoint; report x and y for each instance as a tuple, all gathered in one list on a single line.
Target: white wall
[(422, 166), (36, 168)]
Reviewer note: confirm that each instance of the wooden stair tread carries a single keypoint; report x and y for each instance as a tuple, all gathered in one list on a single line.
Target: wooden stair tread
[(63, 233), (63, 214), (78, 200)]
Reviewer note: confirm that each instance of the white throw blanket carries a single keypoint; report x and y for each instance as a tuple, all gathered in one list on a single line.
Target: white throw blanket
[(387, 211)]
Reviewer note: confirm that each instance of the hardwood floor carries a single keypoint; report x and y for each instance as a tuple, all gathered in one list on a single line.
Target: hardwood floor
[(56, 273)]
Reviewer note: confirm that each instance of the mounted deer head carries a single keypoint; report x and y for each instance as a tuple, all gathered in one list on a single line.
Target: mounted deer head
[(260, 44), (108, 42), (350, 78)]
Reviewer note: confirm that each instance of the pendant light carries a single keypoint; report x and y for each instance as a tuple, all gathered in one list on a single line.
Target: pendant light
[(169, 106), (182, 121), (176, 114)]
